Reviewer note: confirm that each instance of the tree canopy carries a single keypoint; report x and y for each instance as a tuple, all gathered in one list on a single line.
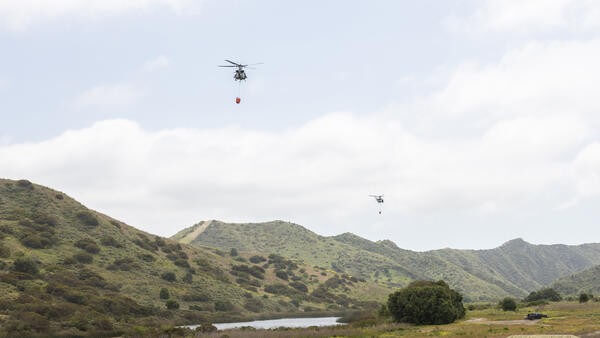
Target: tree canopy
[(426, 302)]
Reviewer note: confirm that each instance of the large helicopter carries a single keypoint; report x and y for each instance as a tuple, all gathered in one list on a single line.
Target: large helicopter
[(239, 74), (379, 199)]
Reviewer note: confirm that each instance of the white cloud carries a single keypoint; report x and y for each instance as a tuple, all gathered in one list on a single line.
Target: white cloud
[(156, 63), (116, 94), (19, 14), (530, 16)]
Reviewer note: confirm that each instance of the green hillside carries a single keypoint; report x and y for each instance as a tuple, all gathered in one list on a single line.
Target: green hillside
[(587, 281), (68, 270), (513, 269)]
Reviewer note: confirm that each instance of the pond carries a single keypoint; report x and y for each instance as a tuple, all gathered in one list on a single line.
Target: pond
[(275, 323)]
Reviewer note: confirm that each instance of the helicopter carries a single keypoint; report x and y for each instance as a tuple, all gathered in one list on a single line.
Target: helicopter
[(379, 199), (240, 74)]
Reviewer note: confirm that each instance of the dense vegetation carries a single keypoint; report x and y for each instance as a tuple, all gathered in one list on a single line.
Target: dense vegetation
[(425, 302), (512, 270)]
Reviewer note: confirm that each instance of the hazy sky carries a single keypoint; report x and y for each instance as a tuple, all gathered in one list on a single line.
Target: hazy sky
[(478, 120)]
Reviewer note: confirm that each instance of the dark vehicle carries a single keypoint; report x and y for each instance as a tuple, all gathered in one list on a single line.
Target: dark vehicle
[(535, 315)]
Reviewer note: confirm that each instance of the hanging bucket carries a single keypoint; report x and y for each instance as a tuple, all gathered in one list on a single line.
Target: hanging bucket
[(238, 100)]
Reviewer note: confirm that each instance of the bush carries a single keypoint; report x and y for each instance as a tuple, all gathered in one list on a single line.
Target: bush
[(196, 297), (233, 252), (146, 257), (257, 259), (172, 305), (281, 274), (25, 265), (182, 263), (223, 306), (164, 293), (88, 245), (87, 218), (584, 298), (83, 258), (25, 184), (426, 302), (299, 286), (544, 294), (38, 241), (508, 304), (169, 276)]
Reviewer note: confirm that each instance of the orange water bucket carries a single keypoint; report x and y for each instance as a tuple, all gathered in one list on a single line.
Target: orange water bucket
[(238, 100)]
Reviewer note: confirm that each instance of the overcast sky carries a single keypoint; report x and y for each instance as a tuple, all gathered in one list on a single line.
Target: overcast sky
[(478, 120)]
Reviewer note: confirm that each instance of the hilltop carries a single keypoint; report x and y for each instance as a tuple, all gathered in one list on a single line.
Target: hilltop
[(69, 270), (513, 269)]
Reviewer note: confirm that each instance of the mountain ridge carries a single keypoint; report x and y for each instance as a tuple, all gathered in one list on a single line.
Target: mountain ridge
[(512, 269)]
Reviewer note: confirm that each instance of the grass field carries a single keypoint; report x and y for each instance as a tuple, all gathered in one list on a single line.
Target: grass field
[(564, 318)]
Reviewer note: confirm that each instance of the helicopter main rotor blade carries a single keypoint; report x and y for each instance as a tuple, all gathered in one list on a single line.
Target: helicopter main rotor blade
[(227, 66), (254, 64), (233, 63)]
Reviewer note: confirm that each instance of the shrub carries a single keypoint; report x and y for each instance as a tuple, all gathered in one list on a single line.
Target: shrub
[(110, 241), (172, 305), (59, 196), (299, 286), (233, 252), (38, 241), (182, 263), (87, 218), (164, 293), (584, 298), (257, 259), (25, 184), (223, 306), (426, 302), (88, 245), (169, 276), (508, 304), (25, 265), (188, 278), (281, 274), (544, 294), (83, 258)]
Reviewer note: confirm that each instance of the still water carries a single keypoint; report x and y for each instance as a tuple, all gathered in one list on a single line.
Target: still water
[(275, 323)]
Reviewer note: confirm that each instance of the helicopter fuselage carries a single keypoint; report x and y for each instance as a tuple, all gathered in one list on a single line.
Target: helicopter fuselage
[(240, 75)]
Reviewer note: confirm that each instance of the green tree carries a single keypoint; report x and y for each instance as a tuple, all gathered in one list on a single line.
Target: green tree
[(426, 302), (584, 297), (164, 293), (233, 252), (169, 276), (508, 304)]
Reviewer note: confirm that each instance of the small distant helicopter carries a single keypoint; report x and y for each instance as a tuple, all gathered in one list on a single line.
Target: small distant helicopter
[(240, 74), (379, 199)]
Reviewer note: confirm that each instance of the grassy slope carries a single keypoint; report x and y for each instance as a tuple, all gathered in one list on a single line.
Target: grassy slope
[(587, 281), (23, 211), (515, 268)]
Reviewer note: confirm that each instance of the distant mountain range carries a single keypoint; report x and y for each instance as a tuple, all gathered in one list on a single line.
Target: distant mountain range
[(513, 269)]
